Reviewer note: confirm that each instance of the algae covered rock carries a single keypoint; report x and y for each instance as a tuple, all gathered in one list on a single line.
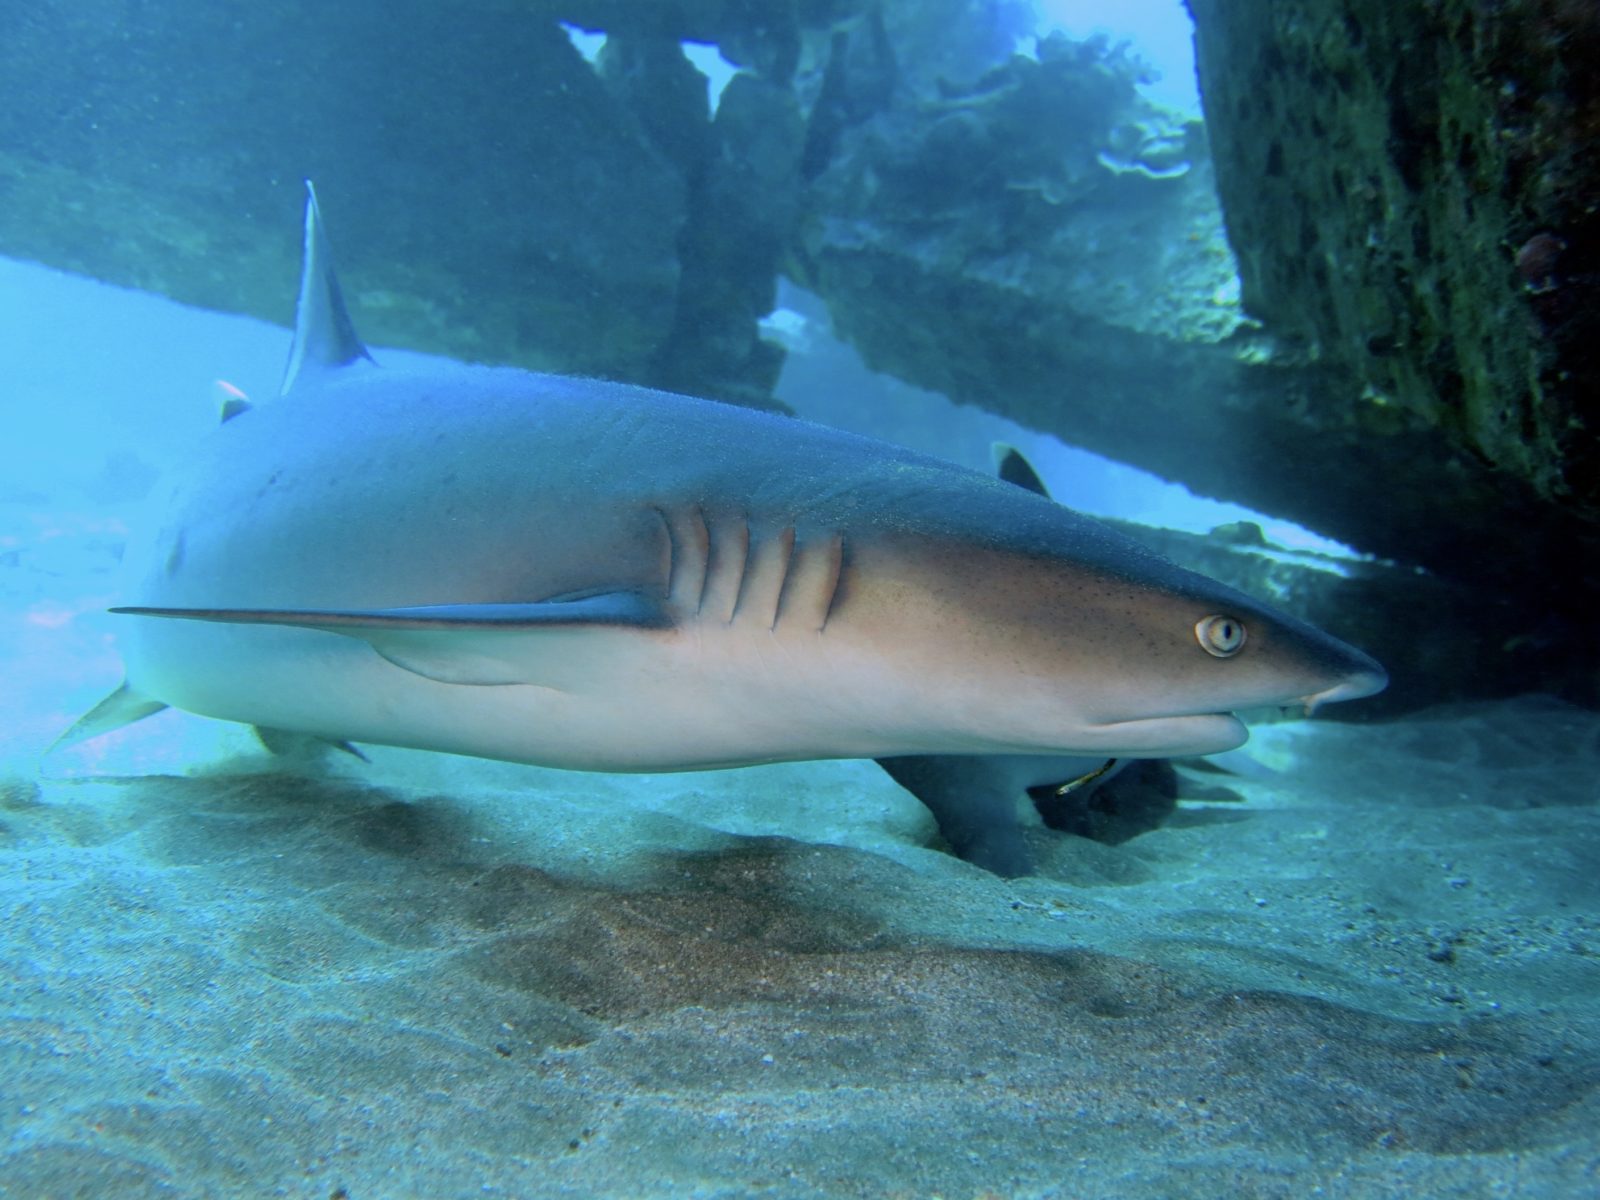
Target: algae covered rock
[(1413, 192), (499, 202), (1047, 180), (1412, 189)]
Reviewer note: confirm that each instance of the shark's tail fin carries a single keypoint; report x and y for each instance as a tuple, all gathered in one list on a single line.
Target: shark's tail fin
[(122, 707)]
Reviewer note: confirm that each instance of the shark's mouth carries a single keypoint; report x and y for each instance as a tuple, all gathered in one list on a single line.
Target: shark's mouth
[(1170, 737), (1354, 687)]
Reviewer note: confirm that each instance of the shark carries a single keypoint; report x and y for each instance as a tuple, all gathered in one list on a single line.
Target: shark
[(594, 575)]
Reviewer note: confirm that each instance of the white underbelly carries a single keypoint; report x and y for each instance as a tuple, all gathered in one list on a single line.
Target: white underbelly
[(668, 700)]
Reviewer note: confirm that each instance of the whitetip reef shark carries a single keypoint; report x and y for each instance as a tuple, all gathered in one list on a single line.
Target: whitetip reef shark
[(599, 576)]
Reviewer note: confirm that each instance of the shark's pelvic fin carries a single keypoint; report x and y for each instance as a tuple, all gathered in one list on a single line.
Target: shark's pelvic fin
[(324, 336), (286, 743), (475, 644), (1011, 467), (122, 707)]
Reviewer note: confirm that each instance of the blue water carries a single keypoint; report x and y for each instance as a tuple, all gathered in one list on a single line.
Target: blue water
[(1359, 960), (1160, 31), (98, 376)]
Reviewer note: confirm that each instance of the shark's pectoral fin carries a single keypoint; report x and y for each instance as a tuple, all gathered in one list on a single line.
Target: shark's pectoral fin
[(122, 707), (478, 644), (530, 654)]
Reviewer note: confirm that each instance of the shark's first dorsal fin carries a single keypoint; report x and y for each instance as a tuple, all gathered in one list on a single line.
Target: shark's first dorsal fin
[(324, 337)]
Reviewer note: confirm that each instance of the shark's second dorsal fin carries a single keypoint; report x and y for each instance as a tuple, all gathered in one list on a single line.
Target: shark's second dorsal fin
[(231, 400), (1013, 468), (324, 337)]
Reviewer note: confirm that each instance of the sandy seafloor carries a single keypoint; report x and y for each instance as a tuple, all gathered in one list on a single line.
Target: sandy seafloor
[(228, 974)]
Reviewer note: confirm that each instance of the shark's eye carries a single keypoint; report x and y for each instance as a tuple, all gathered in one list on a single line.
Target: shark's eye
[(1219, 635)]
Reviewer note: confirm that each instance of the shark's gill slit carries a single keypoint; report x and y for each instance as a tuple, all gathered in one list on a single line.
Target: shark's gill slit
[(729, 552), (813, 582), (838, 555), (671, 566), (700, 541), (688, 554), (766, 569)]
